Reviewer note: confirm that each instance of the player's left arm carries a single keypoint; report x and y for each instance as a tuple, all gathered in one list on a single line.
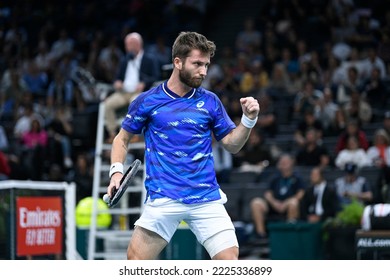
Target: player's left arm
[(236, 139)]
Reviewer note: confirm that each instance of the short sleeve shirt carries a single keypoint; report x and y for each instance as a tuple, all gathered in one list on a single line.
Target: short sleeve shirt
[(178, 141), (285, 187)]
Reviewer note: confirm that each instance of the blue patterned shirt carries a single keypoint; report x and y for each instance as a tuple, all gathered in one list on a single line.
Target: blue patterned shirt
[(178, 141)]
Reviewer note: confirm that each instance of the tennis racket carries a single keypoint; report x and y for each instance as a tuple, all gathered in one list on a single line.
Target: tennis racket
[(124, 184)]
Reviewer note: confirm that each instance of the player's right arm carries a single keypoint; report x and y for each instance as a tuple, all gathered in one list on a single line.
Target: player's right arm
[(236, 139), (118, 155)]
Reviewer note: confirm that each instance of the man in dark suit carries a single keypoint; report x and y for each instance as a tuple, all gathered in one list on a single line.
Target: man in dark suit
[(320, 199), (138, 71)]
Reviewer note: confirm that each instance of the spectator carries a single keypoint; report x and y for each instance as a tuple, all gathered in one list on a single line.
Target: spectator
[(282, 198), (315, 71), (333, 74), (312, 154), (352, 153), (280, 82), (229, 84), (365, 34), (255, 155), (5, 169), (12, 90), (343, 30), (308, 72), (374, 91), (386, 123), (55, 173), (17, 165), (240, 66), (328, 113), (35, 142), (60, 91), (352, 186), (320, 200), (267, 122), (67, 65), (36, 136), (36, 81), (344, 88), (23, 122), (291, 64), (92, 56), (108, 60), (161, 50), (371, 62), (137, 73), (309, 121), (235, 110), (307, 98), (379, 152), (249, 38), (43, 58), (352, 129), (82, 175), (255, 79), (64, 45), (60, 130), (357, 108)]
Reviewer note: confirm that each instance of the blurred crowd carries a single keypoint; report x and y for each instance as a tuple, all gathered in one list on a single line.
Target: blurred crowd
[(53, 58), (320, 70)]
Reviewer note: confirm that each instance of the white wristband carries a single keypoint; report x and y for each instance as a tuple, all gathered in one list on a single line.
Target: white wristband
[(247, 122), (116, 167)]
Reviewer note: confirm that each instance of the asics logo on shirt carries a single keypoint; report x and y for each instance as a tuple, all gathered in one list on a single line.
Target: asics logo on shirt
[(200, 104)]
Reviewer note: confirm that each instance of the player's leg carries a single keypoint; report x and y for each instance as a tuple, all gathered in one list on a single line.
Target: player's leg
[(155, 228), (223, 245), (227, 254), (145, 245), (214, 229)]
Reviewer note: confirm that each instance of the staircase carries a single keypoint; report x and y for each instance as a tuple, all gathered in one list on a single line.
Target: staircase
[(115, 239)]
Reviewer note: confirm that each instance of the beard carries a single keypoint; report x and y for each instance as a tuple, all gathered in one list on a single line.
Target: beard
[(186, 78)]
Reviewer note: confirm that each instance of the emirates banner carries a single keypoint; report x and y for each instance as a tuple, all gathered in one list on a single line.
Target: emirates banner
[(39, 222)]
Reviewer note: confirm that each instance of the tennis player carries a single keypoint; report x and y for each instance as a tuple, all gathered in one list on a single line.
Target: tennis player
[(178, 119)]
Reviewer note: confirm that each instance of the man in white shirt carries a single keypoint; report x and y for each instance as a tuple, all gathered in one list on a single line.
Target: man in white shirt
[(137, 73)]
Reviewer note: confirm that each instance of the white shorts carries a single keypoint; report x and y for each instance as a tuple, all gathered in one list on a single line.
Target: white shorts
[(205, 220)]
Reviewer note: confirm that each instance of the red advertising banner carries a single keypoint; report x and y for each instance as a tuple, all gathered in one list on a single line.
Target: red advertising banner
[(39, 225)]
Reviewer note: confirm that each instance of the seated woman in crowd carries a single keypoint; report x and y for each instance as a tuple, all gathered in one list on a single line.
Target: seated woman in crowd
[(352, 153), (379, 152), (34, 143)]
